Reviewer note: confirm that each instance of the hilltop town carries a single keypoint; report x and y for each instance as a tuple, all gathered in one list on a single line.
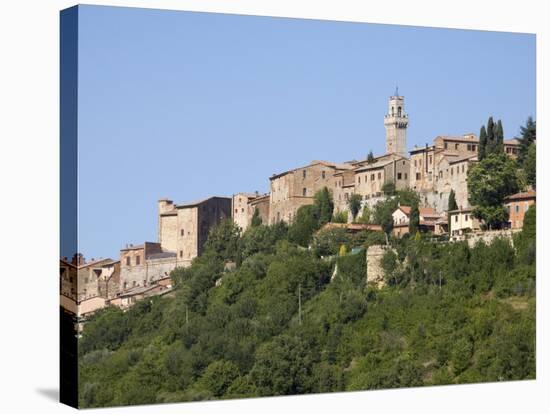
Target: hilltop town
[(435, 172)]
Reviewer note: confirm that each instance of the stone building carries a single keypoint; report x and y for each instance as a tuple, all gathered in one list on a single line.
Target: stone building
[(396, 122), (260, 203), (295, 188), (240, 209), (517, 205), (144, 264), (68, 277), (428, 219), (184, 228), (88, 276), (371, 178), (344, 187), (109, 280), (462, 221)]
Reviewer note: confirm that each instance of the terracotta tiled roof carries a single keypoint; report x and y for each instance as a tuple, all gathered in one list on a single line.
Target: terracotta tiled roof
[(522, 196)]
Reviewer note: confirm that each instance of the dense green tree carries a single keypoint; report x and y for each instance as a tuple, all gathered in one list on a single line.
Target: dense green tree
[(489, 182), (354, 205), (389, 188), (256, 219), (528, 135), (304, 225), (451, 313), (218, 376), (365, 215), (324, 205), (327, 241), (482, 143), (414, 220), (223, 240), (530, 165), (340, 217)]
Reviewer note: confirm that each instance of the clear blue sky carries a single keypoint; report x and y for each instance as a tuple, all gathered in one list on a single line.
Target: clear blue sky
[(186, 105)]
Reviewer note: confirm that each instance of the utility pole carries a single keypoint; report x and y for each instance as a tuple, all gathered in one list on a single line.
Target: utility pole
[(300, 303)]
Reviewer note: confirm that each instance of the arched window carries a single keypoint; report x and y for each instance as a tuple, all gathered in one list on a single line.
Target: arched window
[(392, 111), (399, 111)]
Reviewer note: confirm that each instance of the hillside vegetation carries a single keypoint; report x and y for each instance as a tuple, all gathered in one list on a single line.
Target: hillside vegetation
[(278, 325)]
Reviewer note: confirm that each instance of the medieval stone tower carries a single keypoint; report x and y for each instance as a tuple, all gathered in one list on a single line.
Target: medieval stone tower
[(396, 122)]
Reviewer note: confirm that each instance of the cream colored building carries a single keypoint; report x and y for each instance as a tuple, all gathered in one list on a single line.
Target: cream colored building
[(462, 221)]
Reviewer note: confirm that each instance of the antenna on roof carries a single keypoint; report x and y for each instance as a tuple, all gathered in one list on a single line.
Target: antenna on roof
[(396, 90)]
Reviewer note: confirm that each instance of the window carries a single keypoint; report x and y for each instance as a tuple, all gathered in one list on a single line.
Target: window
[(138, 260), (466, 217), (446, 145), (181, 253), (128, 263), (398, 176), (399, 111), (359, 179), (469, 146), (182, 231), (430, 160), (236, 211), (418, 176), (456, 218), (304, 174), (242, 210), (304, 191), (323, 174), (379, 176), (372, 177), (517, 208), (462, 167), (451, 170), (456, 146), (406, 176)]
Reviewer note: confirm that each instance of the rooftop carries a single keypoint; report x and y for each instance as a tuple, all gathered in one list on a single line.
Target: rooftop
[(526, 195)]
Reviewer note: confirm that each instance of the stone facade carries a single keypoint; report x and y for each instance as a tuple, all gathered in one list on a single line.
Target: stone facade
[(396, 122), (295, 188), (462, 221), (184, 228), (88, 276), (375, 273), (240, 209), (261, 204), (109, 280)]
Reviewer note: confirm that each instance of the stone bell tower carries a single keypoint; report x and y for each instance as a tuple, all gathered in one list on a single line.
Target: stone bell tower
[(396, 122)]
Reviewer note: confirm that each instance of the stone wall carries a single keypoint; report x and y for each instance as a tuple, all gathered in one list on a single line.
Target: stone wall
[(262, 205), (375, 273)]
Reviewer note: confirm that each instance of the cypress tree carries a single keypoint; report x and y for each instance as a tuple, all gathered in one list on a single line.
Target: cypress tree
[(499, 138), (414, 221), (490, 146), (482, 143), (370, 157), (452, 205)]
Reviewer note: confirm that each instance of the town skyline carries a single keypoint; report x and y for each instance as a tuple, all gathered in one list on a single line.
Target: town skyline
[(343, 122)]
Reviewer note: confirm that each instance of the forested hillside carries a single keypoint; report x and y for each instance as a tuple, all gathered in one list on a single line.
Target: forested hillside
[(284, 322)]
